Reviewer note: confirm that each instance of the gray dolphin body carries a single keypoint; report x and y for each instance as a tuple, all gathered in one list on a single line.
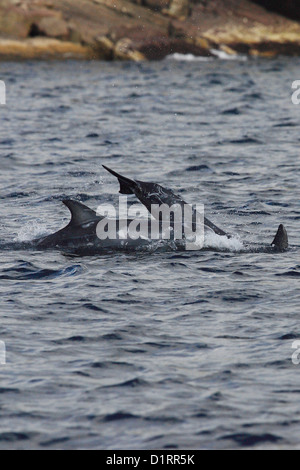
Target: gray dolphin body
[(81, 232), (153, 193)]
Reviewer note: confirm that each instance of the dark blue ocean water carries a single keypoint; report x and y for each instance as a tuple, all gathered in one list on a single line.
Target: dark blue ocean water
[(156, 349)]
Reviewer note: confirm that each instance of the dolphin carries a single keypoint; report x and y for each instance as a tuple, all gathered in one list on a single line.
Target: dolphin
[(281, 241), (81, 232), (82, 228), (153, 193)]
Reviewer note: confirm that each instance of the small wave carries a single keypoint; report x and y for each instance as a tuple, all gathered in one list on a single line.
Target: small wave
[(199, 168), (225, 56), (188, 57), (92, 135), (245, 140), (232, 111), (119, 415), (24, 271), (12, 437), (218, 242), (217, 54), (292, 273), (249, 440), (18, 195)]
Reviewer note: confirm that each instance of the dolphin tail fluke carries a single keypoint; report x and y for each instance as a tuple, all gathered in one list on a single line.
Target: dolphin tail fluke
[(281, 241), (126, 185)]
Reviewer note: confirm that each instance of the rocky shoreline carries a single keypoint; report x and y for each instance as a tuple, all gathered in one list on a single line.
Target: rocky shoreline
[(144, 29)]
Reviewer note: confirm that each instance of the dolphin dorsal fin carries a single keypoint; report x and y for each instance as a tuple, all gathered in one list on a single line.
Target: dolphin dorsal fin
[(81, 214), (281, 241)]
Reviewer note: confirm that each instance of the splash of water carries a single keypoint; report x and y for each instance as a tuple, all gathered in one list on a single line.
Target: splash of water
[(225, 56), (188, 57), (217, 53), (31, 231), (218, 242)]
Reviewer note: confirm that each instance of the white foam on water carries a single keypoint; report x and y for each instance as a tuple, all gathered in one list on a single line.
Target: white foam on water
[(218, 242), (188, 57), (31, 231), (217, 53), (225, 56)]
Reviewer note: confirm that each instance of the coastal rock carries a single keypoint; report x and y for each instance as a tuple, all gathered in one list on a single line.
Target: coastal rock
[(124, 50), (156, 5), (52, 27), (179, 9), (42, 48), (146, 29), (104, 48)]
